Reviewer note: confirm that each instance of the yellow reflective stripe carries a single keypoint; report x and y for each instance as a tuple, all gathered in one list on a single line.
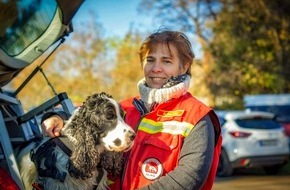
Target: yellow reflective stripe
[(150, 126), (110, 182), (171, 127)]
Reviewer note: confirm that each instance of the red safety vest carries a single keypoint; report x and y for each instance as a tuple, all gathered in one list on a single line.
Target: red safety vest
[(159, 140)]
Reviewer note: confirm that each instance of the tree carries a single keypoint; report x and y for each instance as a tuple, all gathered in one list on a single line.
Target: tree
[(83, 63), (251, 48), (127, 71)]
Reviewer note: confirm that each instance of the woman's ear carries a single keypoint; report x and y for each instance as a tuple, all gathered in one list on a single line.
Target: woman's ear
[(184, 68)]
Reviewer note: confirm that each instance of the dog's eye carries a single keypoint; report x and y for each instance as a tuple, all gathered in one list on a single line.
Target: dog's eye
[(111, 113)]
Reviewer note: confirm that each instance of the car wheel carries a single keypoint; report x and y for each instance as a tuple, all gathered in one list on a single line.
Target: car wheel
[(273, 170), (224, 168)]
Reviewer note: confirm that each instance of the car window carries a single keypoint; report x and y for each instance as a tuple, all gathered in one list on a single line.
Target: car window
[(282, 112), (283, 118), (28, 19), (222, 120), (258, 123)]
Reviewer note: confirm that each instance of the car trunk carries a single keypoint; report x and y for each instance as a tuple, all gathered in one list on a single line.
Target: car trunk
[(27, 29)]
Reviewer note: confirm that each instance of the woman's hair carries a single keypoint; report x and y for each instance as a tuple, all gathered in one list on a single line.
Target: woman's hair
[(175, 38)]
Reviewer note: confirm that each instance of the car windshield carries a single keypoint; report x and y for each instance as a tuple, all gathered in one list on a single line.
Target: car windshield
[(26, 21), (258, 123)]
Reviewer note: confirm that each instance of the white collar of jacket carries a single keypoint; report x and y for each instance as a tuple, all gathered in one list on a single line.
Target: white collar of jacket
[(153, 95)]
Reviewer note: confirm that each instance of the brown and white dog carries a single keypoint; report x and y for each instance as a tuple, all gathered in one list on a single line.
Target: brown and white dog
[(95, 137)]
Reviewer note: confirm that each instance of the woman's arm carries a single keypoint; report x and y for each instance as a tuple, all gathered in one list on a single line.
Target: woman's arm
[(194, 162)]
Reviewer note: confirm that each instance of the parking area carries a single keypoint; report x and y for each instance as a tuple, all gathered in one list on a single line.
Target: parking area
[(254, 179)]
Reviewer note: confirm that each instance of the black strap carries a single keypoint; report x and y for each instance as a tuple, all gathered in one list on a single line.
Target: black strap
[(45, 154), (63, 143), (100, 175)]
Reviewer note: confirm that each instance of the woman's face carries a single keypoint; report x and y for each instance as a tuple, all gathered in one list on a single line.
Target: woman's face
[(159, 66)]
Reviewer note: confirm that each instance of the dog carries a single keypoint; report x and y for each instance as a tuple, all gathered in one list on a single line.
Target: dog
[(92, 142)]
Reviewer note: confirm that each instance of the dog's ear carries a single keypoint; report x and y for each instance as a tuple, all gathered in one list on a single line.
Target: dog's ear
[(95, 111), (85, 158), (86, 115)]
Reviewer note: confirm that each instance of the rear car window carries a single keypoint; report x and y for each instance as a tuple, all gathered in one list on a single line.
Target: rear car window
[(258, 123), (221, 120), (26, 21)]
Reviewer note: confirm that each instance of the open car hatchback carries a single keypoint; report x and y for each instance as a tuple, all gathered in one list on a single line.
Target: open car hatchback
[(27, 29)]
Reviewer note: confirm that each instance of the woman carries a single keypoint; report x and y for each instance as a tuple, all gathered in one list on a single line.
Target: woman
[(178, 138)]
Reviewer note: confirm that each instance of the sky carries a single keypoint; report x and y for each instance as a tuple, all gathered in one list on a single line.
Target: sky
[(117, 17)]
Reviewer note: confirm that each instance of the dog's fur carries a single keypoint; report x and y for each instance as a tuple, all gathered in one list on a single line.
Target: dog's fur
[(96, 130)]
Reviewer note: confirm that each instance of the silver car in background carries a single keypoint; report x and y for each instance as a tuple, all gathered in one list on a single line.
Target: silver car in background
[(251, 139)]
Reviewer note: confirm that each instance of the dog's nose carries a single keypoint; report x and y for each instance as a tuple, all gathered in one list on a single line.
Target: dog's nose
[(132, 135)]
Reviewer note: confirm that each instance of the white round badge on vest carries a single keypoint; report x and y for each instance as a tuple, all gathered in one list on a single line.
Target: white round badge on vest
[(152, 169)]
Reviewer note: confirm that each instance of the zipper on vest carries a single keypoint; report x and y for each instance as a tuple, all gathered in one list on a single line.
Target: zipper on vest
[(153, 107), (129, 153)]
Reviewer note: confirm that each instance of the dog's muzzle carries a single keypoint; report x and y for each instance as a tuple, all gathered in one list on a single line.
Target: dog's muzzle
[(120, 139)]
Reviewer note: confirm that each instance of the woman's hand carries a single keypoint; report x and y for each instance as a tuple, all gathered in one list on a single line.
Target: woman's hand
[(52, 126)]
